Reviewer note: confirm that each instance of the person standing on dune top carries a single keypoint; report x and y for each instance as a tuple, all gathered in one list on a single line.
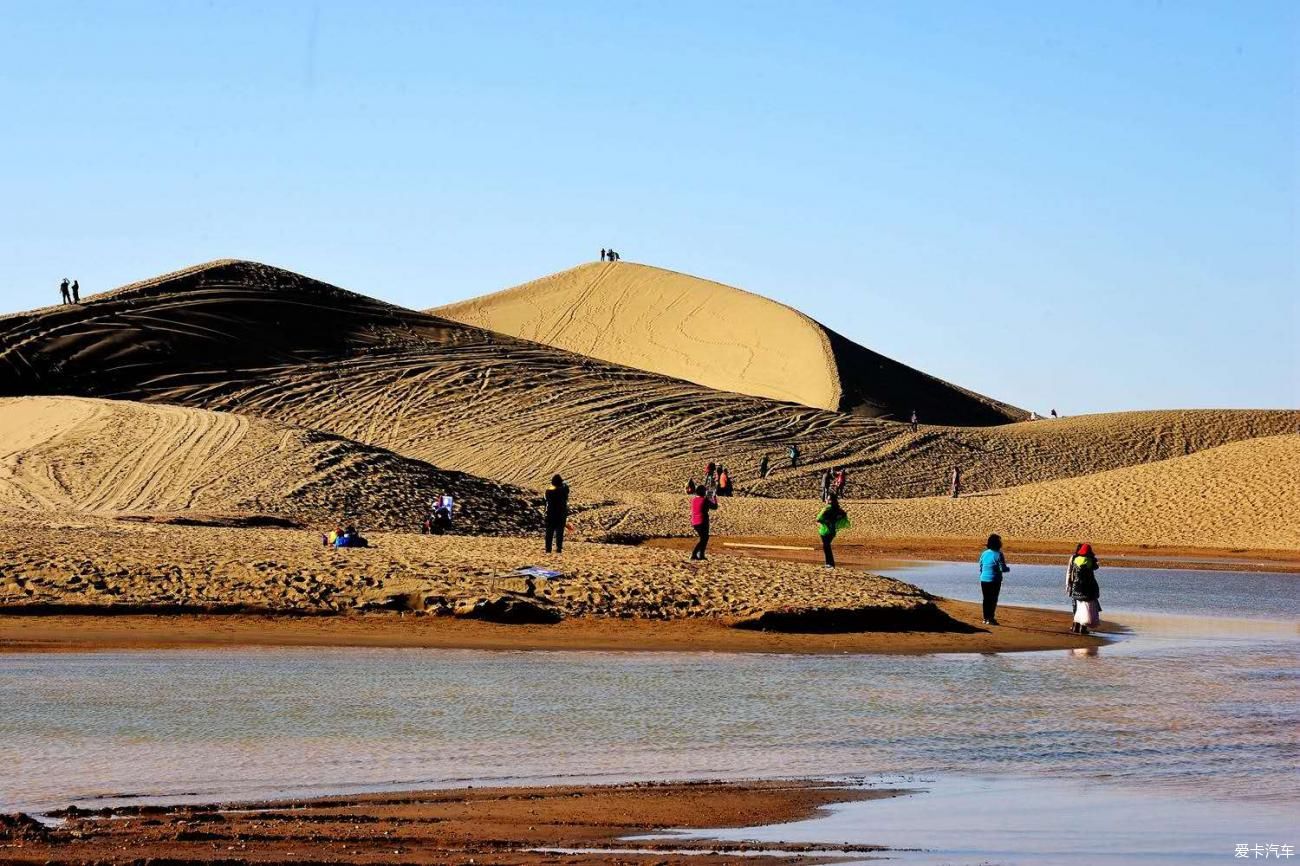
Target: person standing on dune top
[(701, 505), (76, 292), (557, 513), (602, 254), (992, 566), (63, 290)]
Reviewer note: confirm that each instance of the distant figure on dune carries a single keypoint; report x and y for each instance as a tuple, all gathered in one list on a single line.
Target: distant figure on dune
[(793, 453), (701, 505), (763, 467), (827, 480), (602, 254), (724, 481), (956, 482), (614, 257), (992, 566), (841, 481), (913, 420), (76, 292), (349, 537), (1083, 589), (439, 520), (1054, 415), (557, 513), (711, 478), (830, 520), (63, 290)]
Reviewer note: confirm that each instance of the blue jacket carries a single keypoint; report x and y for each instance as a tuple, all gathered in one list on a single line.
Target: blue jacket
[(992, 566)]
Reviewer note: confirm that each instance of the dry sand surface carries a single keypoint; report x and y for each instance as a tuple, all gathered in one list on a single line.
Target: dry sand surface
[(248, 338), (474, 825), (66, 456), (718, 336), (1240, 495)]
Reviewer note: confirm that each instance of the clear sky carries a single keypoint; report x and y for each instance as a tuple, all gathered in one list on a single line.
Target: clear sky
[(1088, 206)]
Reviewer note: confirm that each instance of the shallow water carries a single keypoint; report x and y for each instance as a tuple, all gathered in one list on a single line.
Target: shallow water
[(1178, 714)]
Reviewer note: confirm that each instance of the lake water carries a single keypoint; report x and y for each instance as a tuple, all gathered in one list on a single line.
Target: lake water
[(1195, 717)]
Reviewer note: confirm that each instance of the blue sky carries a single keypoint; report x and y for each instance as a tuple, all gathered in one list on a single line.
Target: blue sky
[(1088, 206)]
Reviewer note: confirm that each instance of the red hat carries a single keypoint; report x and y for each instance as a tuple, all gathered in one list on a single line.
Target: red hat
[(1085, 549)]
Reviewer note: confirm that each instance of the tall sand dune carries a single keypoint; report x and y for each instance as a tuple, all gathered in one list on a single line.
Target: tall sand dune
[(258, 341), (1243, 494), (721, 337), (68, 457)]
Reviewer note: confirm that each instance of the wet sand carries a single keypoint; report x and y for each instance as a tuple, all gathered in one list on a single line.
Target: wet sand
[(470, 825), (1019, 629)]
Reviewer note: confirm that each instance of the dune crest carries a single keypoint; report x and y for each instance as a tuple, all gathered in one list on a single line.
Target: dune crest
[(720, 337)]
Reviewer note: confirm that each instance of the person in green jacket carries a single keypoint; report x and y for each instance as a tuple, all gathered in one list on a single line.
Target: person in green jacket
[(830, 520)]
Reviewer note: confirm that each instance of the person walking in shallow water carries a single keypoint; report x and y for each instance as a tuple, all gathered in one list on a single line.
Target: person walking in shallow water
[(557, 513), (701, 505), (1085, 592), (830, 520), (63, 290), (992, 566)]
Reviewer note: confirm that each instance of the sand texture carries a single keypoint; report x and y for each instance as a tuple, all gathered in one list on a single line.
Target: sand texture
[(718, 336), (1240, 495), (65, 456), (262, 342)]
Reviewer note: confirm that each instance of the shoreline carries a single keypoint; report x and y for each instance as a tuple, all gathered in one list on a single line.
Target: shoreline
[(882, 552), (577, 824), (1021, 630)]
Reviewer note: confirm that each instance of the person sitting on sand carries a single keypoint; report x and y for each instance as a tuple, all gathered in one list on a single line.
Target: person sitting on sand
[(830, 520), (1084, 590), (557, 513), (701, 505), (992, 566), (331, 539)]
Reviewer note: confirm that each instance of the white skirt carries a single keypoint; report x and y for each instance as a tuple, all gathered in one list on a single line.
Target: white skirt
[(1087, 613)]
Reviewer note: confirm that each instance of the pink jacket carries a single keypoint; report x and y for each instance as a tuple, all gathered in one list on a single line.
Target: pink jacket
[(700, 508)]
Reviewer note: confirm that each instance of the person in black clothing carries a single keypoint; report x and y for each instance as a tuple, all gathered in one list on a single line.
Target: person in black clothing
[(557, 513), (763, 467), (76, 292), (913, 420), (63, 290)]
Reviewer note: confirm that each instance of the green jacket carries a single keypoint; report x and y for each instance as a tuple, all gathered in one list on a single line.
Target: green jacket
[(830, 521)]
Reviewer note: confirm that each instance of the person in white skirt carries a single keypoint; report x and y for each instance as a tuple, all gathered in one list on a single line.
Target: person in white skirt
[(1082, 585)]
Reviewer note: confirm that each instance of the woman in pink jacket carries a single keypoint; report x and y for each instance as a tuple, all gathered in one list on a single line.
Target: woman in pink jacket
[(701, 505)]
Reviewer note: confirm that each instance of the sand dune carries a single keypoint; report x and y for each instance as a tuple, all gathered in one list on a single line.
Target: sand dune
[(721, 337), (1240, 495), (255, 340), (65, 456)]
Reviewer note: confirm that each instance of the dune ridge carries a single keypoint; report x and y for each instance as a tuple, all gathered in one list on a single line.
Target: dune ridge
[(720, 337)]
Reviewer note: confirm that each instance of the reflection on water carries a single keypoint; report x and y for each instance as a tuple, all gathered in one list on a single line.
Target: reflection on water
[(1189, 709)]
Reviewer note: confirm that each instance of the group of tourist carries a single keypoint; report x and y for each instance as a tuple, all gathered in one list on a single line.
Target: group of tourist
[(1081, 585), (70, 292), (609, 256), (344, 536), (833, 483)]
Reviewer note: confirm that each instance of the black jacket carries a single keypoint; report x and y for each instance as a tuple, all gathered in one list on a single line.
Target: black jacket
[(557, 505)]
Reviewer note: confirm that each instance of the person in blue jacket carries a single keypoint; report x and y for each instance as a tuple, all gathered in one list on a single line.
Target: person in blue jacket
[(992, 566)]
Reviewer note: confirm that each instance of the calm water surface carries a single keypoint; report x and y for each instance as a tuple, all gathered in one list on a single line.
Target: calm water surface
[(1190, 710)]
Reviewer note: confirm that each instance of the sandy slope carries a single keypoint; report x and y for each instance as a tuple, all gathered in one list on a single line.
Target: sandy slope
[(1241, 495), (65, 455), (260, 341), (719, 336)]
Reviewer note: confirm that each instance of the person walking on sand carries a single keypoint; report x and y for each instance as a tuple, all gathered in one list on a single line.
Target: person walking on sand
[(763, 467), (63, 291), (76, 292), (701, 505), (827, 480), (956, 482), (724, 481), (557, 513), (841, 481), (830, 520), (913, 420), (992, 566), (1085, 592), (793, 453)]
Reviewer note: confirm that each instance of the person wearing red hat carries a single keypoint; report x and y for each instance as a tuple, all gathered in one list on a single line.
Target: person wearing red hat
[(1082, 588)]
